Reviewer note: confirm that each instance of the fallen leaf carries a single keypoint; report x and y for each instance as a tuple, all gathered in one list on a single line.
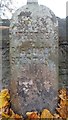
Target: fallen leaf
[(46, 114), (62, 106), (33, 115)]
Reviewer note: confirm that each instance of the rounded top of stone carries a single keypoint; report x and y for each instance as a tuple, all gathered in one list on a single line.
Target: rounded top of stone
[(35, 11), (32, 1)]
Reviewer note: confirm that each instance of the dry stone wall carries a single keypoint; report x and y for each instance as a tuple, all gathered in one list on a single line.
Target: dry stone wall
[(4, 53), (63, 52)]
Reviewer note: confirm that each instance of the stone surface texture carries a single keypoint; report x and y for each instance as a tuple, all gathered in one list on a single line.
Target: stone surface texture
[(34, 59), (4, 53), (0, 56), (63, 51), (32, 1)]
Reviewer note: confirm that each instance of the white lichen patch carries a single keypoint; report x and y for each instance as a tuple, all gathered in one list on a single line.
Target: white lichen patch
[(47, 85)]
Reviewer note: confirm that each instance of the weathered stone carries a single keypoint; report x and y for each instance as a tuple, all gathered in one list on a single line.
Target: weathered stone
[(34, 59), (63, 52), (5, 54), (32, 1), (0, 55), (4, 50)]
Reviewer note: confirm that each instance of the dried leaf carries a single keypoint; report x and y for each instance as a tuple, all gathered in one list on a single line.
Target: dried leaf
[(4, 98), (56, 116), (62, 112), (33, 115), (5, 111), (62, 107), (46, 114)]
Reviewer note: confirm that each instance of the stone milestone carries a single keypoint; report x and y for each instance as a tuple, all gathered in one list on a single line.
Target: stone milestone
[(34, 58)]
